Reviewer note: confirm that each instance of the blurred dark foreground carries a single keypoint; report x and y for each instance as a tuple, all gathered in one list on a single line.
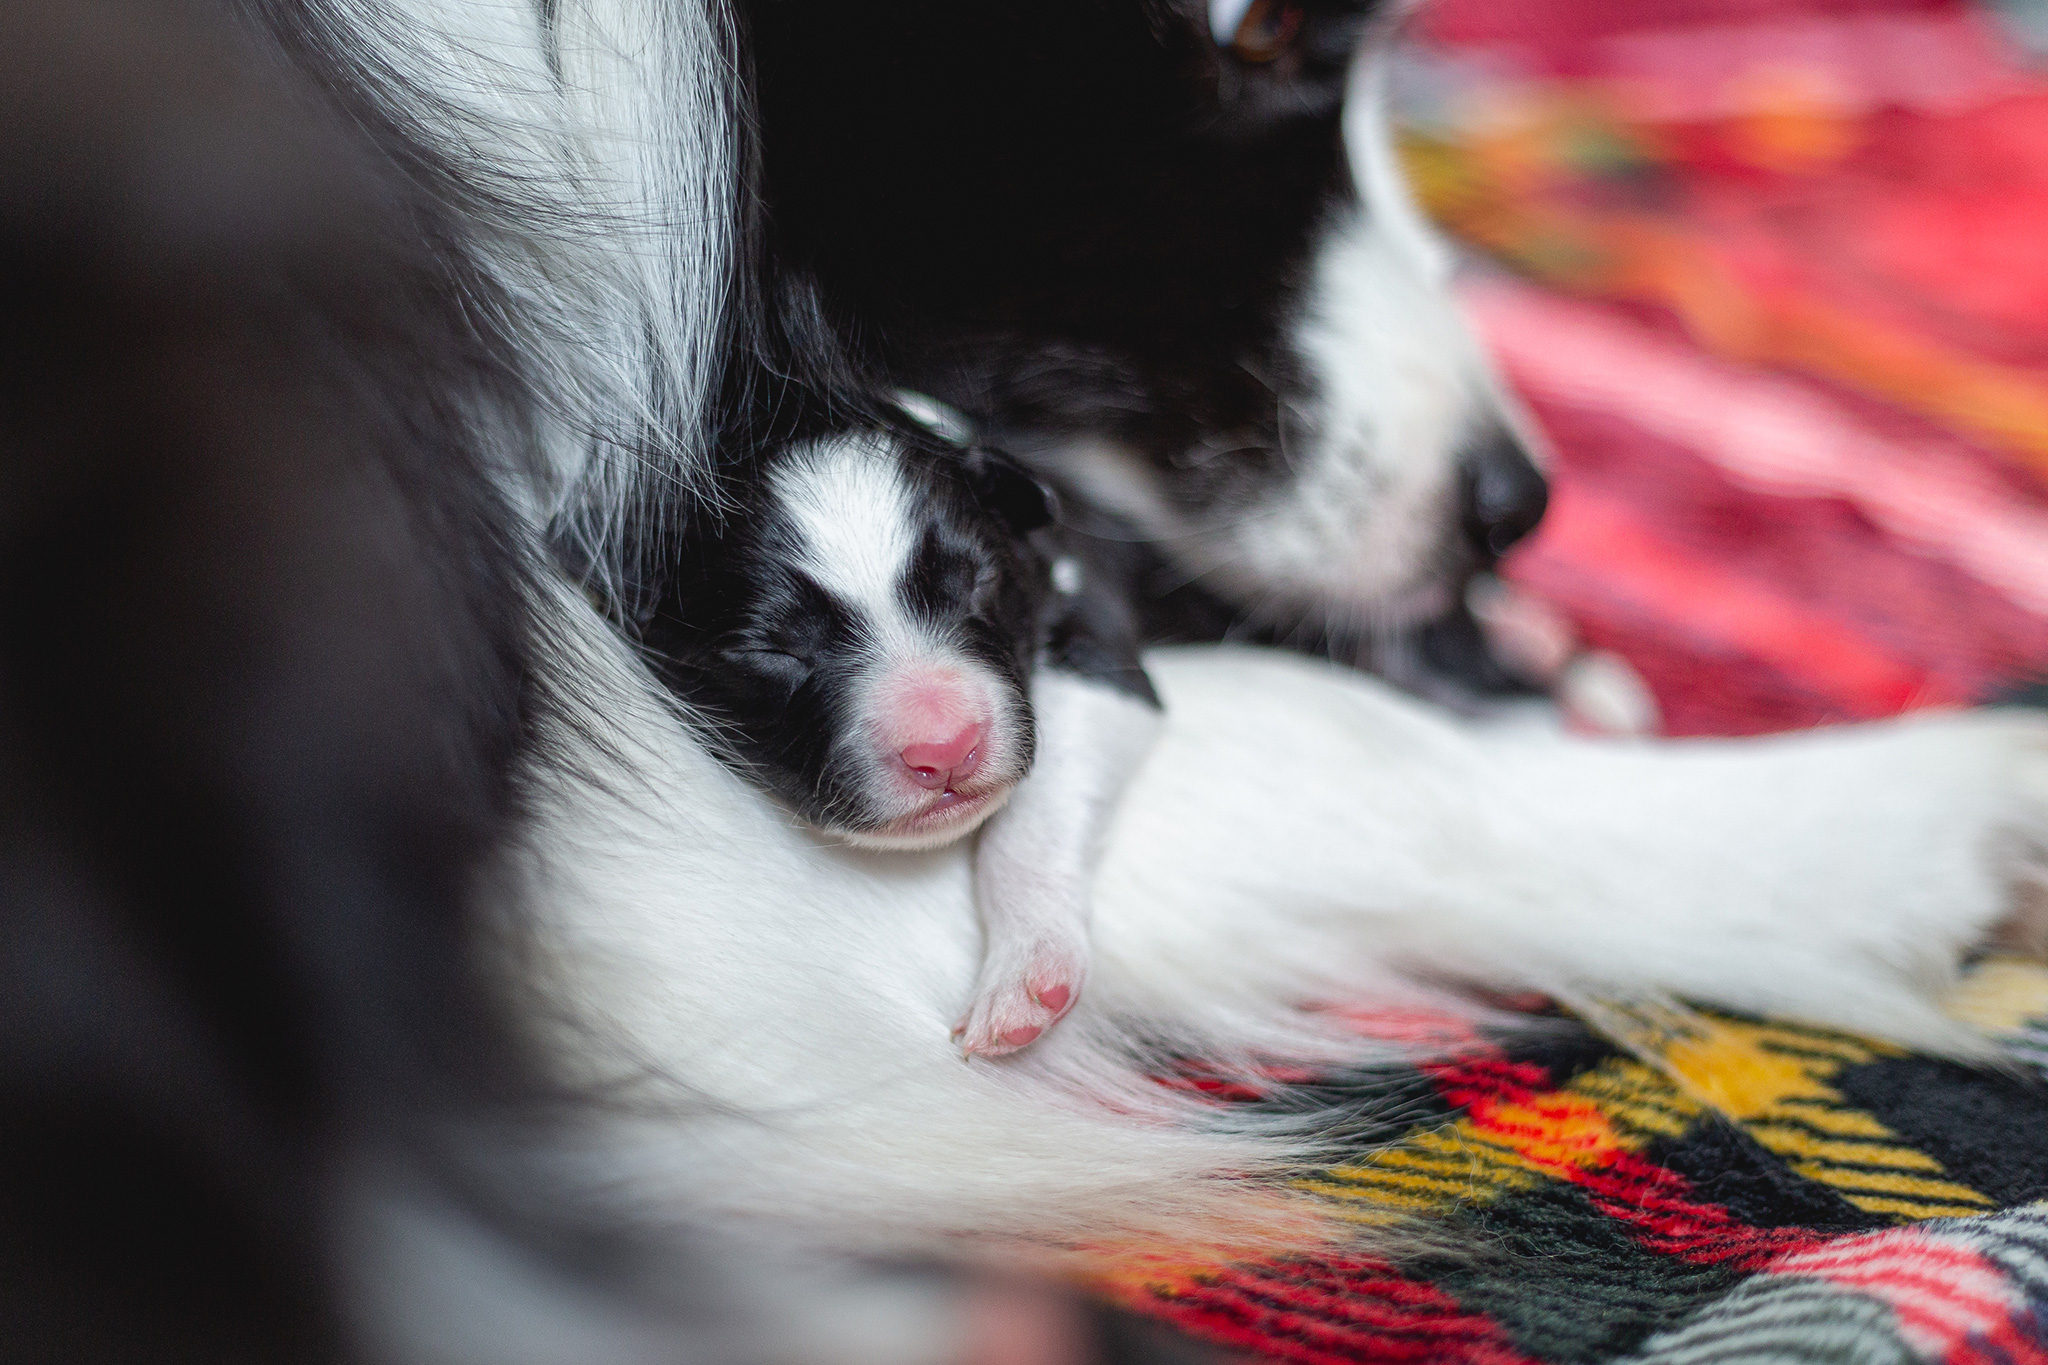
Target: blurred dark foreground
[(263, 680)]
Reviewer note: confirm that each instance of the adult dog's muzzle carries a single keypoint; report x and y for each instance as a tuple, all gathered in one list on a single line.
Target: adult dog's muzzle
[(1502, 494)]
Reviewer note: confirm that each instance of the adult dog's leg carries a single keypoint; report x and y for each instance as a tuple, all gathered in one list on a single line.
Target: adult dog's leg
[(1298, 832)]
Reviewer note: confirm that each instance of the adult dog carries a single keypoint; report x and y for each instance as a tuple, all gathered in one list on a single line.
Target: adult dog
[(777, 1007), (1163, 251), (358, 479)]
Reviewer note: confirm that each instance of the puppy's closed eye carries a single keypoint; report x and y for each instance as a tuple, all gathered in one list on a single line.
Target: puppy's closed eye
[(775, 668), (946, 577)]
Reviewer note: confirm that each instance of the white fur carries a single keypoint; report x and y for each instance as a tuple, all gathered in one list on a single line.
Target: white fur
[(1364, 529), (856, 531), (596, 162), (1365, 524), (431, 1282), (772, 1013), (768, 1013), (1833, 876), (857, 526)]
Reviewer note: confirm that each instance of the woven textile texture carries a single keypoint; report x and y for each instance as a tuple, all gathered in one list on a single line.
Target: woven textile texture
[(1773, 278), (1724, 1189)]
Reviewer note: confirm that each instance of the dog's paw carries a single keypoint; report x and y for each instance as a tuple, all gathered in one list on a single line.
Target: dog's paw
[(2024, 928), (1021, 994)]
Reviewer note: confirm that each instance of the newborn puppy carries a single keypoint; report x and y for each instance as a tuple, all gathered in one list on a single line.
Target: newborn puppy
[(885, 627)]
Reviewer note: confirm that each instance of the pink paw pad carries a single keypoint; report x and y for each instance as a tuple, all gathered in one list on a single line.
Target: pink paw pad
[(1054, 998), (1018, 1037)]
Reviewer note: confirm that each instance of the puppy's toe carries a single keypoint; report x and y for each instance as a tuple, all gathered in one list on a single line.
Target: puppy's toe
[(1013, 1011)]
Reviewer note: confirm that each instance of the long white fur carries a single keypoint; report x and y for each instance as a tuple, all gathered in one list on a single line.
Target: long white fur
[(1299, 836), (772, 1012), (598, 156)]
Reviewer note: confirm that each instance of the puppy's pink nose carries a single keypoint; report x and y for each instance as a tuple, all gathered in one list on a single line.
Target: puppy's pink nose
[(944, 762)]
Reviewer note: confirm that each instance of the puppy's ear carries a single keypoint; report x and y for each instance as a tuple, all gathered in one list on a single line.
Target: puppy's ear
[(1000, 484), (1008, 489)]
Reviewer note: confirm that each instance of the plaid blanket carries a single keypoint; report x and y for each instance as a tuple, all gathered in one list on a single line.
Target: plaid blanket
[(1725, 1189), (1773, 277)]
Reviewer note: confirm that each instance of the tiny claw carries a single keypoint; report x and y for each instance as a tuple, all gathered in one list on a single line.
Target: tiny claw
[(1055, 998)]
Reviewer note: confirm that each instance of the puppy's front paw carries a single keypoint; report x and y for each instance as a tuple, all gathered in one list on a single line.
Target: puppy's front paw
[(1020, 996)]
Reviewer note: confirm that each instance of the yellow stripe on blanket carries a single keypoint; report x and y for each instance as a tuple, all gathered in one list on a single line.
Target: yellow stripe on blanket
[(1773, 1079), (1499, 1148)]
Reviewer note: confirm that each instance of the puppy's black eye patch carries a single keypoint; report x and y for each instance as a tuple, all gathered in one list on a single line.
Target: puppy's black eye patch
[(773, 670), (944, 578), (794, 617)]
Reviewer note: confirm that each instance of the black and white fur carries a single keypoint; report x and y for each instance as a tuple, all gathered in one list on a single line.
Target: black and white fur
[(1162, 251), (1297, 835), (860, 597), (751, 1023)]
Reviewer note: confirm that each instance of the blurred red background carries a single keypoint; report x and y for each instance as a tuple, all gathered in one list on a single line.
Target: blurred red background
[(1773, 277)]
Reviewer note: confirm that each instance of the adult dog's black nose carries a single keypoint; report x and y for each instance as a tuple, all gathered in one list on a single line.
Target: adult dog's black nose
[(1504, 495)]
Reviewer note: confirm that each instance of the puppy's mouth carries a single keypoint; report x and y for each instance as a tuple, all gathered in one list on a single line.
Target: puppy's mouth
[(939, 818)]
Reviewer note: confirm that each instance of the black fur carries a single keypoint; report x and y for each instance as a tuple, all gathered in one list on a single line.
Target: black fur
[(1064, 218), (1082, 217), (263, 660)]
